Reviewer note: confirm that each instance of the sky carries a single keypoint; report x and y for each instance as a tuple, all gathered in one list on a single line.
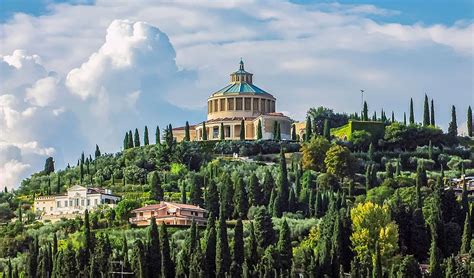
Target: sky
[(78, 73)]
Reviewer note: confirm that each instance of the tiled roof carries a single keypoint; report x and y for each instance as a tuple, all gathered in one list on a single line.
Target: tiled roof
[(167, 204), (241, 88)]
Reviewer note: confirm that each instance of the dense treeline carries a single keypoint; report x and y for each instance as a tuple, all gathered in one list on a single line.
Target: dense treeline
[(362, 207)]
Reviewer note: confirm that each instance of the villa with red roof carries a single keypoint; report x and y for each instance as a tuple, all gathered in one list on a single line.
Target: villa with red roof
[(169, 213)]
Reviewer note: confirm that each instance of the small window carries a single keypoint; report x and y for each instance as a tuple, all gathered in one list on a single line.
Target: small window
[(230, 103), (82, 202), (255, 104), (88, 202), (262, 105), (238, 103), (58, 204), (247, 103), (141, 213), (216, 109), (222, 104), (95, 202), (65, 203), (152, 213)]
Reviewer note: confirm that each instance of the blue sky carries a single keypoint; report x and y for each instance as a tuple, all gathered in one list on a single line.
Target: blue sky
[(427, 12), (91, 72)]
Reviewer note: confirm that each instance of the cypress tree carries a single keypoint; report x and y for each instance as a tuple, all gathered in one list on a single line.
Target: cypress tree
[(308, 129), (153, 254), (130, 139), (125, 141), (223, 259), (453, 126), (264, 232), (222, 136), (426, 112), (167, 265), (97, 151), (195, 193), (146, 140), (278, 133), (187, 135), (242, 130), (183, 193), (157, 136), (212, 198), (412, 113), (404, 118), (267, 186), (140, 260), (284, 247), (435, 257), (432, 115), (32, 261), (327, 130), (204, 131), (259, 130), (252, 258), (365, 112), (239, 251), (136, 138), (58, 184), (240, 199), (377, 272), (393, 117), (255, 191), (371, 152), (281, 200), (156, 191), (293, 132), (469, 121), (126, 263), (210, 250), (466, 236), (88, 237)]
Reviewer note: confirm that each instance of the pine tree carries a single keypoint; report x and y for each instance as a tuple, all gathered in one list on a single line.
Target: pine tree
[(365, 112), (167, 265), (469, 121), (466, 236), (259, 130), (308, 129), (222, 136), (284, 247), (432, 115), (157, 136), (242, 130), (210, 249), (453, 126), (136, 139), (212, 198), (156, 191), (204, 131), (426, 112), (187, 135), (412, 113), (327, 130), (223, 259), (153, 254), (239, 251), (240, 199)]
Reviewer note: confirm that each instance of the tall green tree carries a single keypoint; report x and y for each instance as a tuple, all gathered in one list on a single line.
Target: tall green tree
[(264, 232), (377, 272), (308, 129), (327, 130), (183, 193), (293, 132), (469, 121), (210, 249), (259, 130), (223, 258), (281, 200), (255, 191), (278, 132), (221, 130), (453, 126), (136, 138), (252, 258), (195, 193), (241, 205), (130, 139), (146, 140), (154, 250), (242, 130), (239, 250), (432, 114), (426, 112), (204, 131), (404, 118), (97, 151), (365, 112), (125, 141), (212, 198), (49, 166), (167, 264), (412, 113), (284, 247), (157, 136), (435, 259), (466, 235), (156, 191), (58, 184), (187, 135)]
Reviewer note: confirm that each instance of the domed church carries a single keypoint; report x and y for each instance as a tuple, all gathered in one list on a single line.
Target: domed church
[(239, 100)]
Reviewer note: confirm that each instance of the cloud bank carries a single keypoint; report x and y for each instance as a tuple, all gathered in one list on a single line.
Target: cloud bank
[(86, 77)]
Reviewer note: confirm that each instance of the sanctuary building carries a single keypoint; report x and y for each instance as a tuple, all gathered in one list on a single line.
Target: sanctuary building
[(239, 101)]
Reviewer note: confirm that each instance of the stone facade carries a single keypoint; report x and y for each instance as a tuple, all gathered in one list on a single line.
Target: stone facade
[(73, 203), (169, 213)]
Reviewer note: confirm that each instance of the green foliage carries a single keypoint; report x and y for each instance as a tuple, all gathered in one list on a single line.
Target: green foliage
[(340, 162), (314, 153)]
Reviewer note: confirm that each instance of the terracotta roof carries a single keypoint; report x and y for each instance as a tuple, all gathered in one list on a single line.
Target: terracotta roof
[(166, 204), (231, 119), (186, 206), (184, 127)]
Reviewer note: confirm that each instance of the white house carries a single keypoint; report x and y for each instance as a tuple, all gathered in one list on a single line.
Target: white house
[(74, 202)]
